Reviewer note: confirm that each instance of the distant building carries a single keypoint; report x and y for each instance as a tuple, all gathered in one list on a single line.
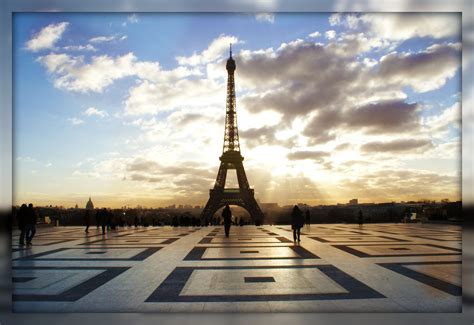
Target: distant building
[(89, 204), (354, 202)]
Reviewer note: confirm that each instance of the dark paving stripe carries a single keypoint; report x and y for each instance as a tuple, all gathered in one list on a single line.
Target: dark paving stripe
[(22, 279), (196, 254), (257, 279), (169, 290), (138, 257), (77, 291), (423, 278), (350, 249)]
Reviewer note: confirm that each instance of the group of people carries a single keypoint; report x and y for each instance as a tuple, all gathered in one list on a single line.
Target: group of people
[(297, 221), (104, 218), (27, 219)]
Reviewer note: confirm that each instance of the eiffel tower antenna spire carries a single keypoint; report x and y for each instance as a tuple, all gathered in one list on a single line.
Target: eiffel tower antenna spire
[(231, 159)]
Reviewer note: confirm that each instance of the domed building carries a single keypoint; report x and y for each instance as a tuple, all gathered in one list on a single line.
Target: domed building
[(89, 204)]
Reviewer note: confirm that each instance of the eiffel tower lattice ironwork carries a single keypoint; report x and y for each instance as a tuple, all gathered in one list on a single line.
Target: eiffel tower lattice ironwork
[(231, 159)]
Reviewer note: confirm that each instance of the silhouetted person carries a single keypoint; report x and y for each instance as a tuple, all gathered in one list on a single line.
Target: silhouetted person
[(241, 222), (97, 218), (361, 218), (111, 220), (21, 219), (30, 224), (297, 221), (308, 217), (135, 221), (227, 216), (87, 220), (103, 218)]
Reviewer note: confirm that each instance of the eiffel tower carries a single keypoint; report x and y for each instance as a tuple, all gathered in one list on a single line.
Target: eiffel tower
[(231, 158)]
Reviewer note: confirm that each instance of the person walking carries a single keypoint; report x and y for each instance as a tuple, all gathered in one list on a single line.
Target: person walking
[(87, 220), (21, 219), (97, 218), (104, 219), (308, 217), (297, 221), (361, 218), (30, 224), (227, 216)]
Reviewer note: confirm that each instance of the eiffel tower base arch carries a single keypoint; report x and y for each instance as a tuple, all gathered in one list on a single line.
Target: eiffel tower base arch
[(219, 198)]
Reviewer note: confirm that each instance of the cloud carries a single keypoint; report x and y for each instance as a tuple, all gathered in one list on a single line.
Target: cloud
[(388, 184), (315, 34), (133, 19), (265, 17), (186, 179), (425, 70), (330, 34), (47, 37), (313, 155), (439, 124), (105, 39), (400, 145), (216, 50), (75, 121), (72, 73), (335, 19), (151, 98), (410, 25), (94, 111), (87, 47), (343, 146), (254, 137), (383, 117), (334, 93), (401, 27)]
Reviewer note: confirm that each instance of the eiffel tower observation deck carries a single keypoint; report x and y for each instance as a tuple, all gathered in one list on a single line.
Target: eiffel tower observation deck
[(231, 159)]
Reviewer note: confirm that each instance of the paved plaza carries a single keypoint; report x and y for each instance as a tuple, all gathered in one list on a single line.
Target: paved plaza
[(335, 268)]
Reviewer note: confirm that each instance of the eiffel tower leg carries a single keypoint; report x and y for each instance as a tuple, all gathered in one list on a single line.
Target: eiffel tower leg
[(211, 207), (221, 176), (254, 210), (241, 177)]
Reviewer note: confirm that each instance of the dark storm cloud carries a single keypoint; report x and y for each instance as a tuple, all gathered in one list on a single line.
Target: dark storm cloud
[(321, 128), (424, 71), (309, 77), (375, 118), (265, 136), (383, 117), (397, 145)]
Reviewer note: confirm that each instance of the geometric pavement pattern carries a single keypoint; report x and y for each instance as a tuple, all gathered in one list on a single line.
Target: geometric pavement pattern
[(335, 268)]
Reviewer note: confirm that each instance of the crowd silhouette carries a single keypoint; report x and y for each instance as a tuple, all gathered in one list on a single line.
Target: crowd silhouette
[(106, 219)]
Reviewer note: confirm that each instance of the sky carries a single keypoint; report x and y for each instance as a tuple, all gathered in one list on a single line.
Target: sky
[(129, 108)]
